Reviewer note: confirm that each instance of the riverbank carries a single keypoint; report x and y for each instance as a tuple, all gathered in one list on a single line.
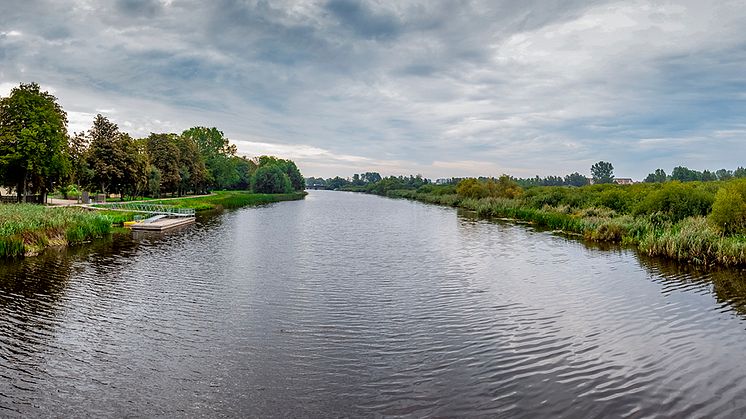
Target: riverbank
[(692, 239), (27, 229)]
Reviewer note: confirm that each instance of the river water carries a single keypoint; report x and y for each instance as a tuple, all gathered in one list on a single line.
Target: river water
[(354, 305)]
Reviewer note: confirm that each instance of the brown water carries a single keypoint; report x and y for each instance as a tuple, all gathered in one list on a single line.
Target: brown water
[(354, 305)]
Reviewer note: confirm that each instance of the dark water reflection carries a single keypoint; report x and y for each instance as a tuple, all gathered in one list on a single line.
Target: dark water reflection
[(354, 305)]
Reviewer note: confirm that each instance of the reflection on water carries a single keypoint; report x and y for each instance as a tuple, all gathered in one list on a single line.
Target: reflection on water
[(353, 305)]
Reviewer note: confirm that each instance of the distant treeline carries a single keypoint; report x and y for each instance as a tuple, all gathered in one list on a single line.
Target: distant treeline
[(601, 173), (38, 156), (370, 182)]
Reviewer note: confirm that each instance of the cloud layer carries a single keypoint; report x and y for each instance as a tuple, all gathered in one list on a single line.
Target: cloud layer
[(442, 88)]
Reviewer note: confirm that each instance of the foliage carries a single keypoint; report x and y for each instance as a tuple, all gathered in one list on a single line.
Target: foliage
[(677, 201), (33, 140), (659, 176), (729, 208), (270, 179), (503, 187), (602, 172)]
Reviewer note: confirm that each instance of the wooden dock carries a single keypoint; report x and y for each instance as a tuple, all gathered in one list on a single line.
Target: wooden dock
[(162, 224)]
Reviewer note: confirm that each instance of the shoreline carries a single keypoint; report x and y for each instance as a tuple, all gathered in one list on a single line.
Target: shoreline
[(691, 240), (27, 229)]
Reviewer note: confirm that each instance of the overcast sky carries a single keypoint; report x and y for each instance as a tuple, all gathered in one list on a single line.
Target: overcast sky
[(441, 88)]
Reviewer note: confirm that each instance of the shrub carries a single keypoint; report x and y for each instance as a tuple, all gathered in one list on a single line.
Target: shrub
[(676, 200), (471, 188), (729, 208)]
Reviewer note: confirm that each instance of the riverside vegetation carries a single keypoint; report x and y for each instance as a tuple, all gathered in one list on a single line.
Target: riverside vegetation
[(698, 222), (27, 229), (38, 156)]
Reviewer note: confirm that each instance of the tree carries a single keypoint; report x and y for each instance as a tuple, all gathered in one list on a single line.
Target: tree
[(106, 157), (685, 174), (576, 179), (163, 150), (33, 137), (217, 153), (192, 170), (77, 150), (270, 179), (602, 172), (134, 179), (371, 177), (724, 174), (288, 167), (659, 176)]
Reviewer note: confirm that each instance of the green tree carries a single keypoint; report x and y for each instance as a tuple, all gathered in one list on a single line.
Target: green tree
[(602, 172), (288, 167), (217, 153), (659, 176), (192, 169), (33, 137), (685, 174), (270, 179), (724, 174), (576, 179), (80, 173), (163, 150), (134, 179), (106, 157)]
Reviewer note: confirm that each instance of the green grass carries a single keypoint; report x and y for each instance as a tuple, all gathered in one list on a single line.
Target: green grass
[(228, 200), (27, 228)]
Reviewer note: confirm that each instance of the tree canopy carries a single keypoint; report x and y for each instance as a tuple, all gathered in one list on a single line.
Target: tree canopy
[(602, 172), (33, 140), (36, 154)]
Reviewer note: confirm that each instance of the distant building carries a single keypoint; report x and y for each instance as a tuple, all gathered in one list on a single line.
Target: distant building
[(623, 181), (443, 181)]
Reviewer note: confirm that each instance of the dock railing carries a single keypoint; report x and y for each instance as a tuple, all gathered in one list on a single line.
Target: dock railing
[(169, 210)]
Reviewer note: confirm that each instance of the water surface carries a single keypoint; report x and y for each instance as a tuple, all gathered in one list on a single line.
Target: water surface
[(353, 305)]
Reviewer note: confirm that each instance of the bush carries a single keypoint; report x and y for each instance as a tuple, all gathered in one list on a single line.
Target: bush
[(676, 200), (729, 208), (471, 188)]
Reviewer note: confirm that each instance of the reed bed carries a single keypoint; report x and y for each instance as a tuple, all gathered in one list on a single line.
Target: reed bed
[(692, 239), (27, 229)]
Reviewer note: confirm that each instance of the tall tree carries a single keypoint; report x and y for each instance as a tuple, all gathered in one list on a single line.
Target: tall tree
[(192, 168), (33, 137), (164, 155), (602, 172), (217, 153), (106, 157), (77, 149)]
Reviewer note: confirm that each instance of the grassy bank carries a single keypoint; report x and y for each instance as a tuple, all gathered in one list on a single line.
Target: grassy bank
[(674, 225), (27, 229), (216, 201), (228, 200)]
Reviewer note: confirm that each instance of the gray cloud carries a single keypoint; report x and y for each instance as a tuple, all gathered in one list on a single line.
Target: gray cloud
[(439, 87)]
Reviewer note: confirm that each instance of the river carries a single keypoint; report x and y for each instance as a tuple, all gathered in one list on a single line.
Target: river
[(346, 304)]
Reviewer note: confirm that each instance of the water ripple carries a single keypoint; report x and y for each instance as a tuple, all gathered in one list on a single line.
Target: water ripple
[(353, 305)]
